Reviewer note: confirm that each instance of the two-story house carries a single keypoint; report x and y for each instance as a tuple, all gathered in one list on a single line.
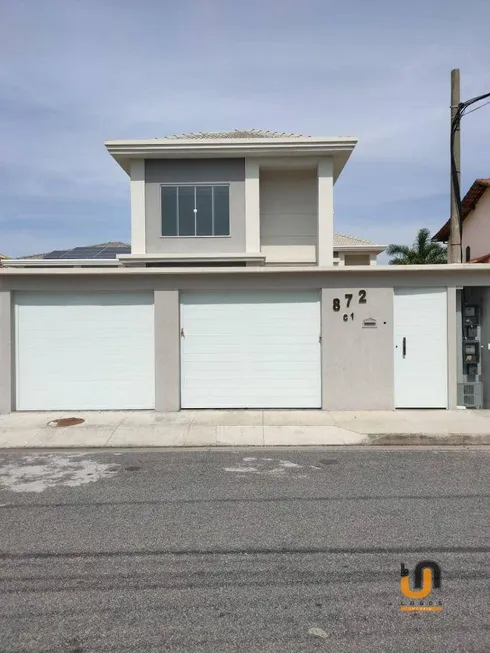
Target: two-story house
[(235, 293), (238, 197)]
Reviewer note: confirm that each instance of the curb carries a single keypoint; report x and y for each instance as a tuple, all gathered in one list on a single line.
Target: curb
[(370, 441), (401, 439)]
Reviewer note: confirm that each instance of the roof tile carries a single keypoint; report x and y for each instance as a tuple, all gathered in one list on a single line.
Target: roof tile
[(237, 133), (342, 240)]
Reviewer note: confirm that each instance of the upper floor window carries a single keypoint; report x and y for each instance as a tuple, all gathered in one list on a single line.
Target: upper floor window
[(468, 254), (200, 210)]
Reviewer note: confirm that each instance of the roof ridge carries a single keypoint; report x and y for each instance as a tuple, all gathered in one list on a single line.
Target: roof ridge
[(238, 133), (115, 243)]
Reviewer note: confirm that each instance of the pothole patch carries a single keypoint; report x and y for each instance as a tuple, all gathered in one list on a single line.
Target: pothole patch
[(270, 466), (37, 473)]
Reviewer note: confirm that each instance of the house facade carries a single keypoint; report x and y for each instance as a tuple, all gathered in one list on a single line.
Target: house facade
[(475, 215), (236, 294), (261, 198)]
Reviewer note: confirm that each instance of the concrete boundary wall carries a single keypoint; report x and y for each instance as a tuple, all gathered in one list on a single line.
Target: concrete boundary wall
[(357, 361)]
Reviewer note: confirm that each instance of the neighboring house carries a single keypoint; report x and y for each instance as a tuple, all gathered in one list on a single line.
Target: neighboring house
[(236, 293), (349, 250), (475, 214)]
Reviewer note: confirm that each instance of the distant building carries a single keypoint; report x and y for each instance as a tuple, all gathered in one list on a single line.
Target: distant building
[(475, 214)]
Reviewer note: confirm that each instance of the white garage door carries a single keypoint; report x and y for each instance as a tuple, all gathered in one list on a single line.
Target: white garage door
[(84, 351), (250, 350)]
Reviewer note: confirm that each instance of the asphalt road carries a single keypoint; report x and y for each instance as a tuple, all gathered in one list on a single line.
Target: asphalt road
[(273, 550)]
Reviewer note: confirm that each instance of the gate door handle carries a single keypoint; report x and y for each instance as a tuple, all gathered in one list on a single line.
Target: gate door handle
[(404, 347)]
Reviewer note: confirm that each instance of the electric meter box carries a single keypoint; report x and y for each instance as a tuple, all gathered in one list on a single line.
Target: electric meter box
[(471, 314), (471, 352)]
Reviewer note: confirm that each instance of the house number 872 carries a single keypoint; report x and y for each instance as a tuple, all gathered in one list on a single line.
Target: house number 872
[(362, 299)]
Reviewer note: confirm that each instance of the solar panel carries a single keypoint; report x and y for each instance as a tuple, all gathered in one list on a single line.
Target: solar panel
[(85, 252), (88, 253), (113, 252), (57, 253)]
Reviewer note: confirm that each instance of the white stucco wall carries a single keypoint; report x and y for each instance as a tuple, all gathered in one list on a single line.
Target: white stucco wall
[(138, 209), (476, 228)]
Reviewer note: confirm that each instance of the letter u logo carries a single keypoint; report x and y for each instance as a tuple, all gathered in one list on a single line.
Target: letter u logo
[(427, 576)]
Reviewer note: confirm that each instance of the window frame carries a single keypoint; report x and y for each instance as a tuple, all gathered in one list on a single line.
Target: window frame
[(195, 185)]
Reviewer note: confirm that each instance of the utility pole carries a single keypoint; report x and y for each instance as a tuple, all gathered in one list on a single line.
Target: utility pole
[(454, 250)]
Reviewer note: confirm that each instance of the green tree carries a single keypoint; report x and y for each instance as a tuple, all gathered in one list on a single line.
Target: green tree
[(422, 252)]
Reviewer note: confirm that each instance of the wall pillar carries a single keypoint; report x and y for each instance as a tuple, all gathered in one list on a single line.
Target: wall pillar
[(325, 213), (252, 206), (452, 348), (6, 345), (167, 350), (137, 188)]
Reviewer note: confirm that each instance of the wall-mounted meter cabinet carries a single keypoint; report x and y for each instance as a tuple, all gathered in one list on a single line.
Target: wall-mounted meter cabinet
[(470, 392)]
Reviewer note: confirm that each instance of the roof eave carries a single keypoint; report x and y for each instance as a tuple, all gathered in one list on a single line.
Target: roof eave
[(360, 248), (123, 151), (191, 258), (468, 204), (442, 236)]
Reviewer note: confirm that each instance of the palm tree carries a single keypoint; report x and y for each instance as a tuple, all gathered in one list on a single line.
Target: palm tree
[(422, 252)]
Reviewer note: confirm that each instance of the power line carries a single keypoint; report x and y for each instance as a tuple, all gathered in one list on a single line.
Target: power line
[(467, 113)]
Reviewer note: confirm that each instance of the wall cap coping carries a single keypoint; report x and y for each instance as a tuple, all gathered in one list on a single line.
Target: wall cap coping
[(262, 269)]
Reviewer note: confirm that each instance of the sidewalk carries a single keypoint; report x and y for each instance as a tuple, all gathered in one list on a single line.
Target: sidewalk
[(210, 428)]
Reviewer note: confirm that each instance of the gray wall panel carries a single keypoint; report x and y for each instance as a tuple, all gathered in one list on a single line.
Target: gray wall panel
[(167, 350), (357, 362)]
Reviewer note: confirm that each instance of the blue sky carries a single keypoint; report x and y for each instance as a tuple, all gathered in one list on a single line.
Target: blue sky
[(74, 73)]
